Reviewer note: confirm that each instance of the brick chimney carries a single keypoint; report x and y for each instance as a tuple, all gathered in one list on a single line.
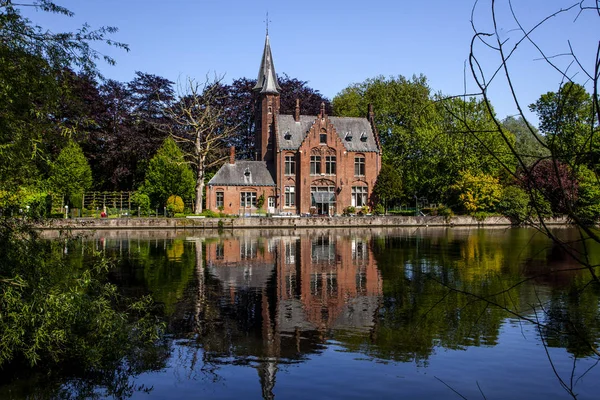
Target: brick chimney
[(323, 110), (371, 114), (297, 113), (232, 155)]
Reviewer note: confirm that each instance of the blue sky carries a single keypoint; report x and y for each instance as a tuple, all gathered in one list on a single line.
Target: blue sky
[(331, 43)]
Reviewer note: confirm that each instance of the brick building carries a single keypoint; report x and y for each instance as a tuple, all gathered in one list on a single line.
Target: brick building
[(305, 164)]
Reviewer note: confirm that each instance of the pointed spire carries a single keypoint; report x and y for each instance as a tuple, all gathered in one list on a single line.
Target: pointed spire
[(267, 78)]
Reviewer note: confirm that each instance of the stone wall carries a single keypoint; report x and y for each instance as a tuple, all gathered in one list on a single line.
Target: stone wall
[(278, 223)]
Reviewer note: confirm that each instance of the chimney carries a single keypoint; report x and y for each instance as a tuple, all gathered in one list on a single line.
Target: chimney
[(371, 113), (297, 113), (323, 110), (232, 155)]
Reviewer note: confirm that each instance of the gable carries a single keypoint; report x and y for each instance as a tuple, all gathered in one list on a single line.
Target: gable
[(355, 133)]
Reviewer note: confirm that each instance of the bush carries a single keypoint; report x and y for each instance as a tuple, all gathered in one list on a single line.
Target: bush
[(379, 209), (349, 210), (141, 201), (405, 213), (445, 211), (514, 204), (179, 215), (174, 205), (209, 214)]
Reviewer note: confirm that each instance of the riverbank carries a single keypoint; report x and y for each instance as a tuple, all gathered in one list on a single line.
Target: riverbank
[(280, 223)]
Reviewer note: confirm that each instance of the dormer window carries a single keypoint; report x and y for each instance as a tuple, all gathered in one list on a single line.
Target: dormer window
[(363, 137), (323, 137), (287, 135), (247, 172), (348, 136)]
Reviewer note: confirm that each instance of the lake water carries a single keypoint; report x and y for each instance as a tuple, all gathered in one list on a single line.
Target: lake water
[(412, 313)]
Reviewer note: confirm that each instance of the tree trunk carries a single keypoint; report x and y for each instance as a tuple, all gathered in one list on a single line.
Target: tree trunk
[(199, 190)]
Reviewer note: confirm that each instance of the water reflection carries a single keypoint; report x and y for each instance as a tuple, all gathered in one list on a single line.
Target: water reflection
[(270, 300)]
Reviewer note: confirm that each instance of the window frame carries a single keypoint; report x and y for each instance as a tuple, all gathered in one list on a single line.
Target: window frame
[(330, 165), (315, 161), (289, 165), (220, 202), (244, 199), (362, 193), (359, 166), (290, 196)]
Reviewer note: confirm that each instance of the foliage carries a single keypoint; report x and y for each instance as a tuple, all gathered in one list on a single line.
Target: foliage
[(388, 186), (565, 118), (587, 207), (427, 139), (168, 174), (529, 144), (514, 204), (175, 204), (350, 210), (476, 193), (141, 201), (70, 174), (554, 181), (379, 209), (210, 214), (260, 201), (56, 313)]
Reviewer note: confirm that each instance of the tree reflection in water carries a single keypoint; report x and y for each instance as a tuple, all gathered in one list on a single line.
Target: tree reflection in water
[(396, 295)]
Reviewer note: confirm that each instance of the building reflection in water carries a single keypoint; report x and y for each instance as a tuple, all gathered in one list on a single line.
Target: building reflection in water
[(299, 288)]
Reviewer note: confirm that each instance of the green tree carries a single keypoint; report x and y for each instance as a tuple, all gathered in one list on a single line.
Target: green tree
[(168, 174), (529, 144), (478, 193), (70, 174), (569, 120), (388, 187)]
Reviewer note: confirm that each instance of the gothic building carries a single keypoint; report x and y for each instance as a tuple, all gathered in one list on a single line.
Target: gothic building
[(305, 164)]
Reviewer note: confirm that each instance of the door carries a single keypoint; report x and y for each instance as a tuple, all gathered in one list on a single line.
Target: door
[(271, 205)]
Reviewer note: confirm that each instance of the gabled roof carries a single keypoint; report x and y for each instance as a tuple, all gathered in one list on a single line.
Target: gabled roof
[(266, 82), (355, 133), (243, 173)]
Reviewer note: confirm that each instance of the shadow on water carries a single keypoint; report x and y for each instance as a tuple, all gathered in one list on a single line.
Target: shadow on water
[(277, 301)]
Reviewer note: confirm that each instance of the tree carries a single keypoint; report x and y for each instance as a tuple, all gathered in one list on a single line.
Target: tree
[(70, 174), (388, 187), (528, 142), (425, 137), (570, 124), (168, 174), (199, 126), (478, 193)]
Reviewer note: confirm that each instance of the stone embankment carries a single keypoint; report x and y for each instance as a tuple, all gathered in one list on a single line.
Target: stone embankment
[(280, 223)]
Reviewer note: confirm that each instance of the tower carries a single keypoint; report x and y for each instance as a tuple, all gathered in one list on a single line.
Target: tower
[(267, 106)]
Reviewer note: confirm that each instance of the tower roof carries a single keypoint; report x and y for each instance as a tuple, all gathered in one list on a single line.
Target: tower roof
[(267, 78)]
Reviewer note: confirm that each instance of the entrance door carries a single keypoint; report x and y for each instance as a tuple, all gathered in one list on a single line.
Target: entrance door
[(271, 205)]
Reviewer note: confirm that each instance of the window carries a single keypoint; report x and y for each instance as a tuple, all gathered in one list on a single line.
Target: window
[(315, 165), (290, 165), (248, 199), (359, 166), (330, 165), (220, 251), (290, 196), (220, 199), (359, 196), (323, 137)]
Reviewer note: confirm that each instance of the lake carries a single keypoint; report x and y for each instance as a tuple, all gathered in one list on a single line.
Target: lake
[(340, 313)]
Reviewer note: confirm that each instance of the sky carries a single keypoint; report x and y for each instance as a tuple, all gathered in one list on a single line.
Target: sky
[(334, 43)]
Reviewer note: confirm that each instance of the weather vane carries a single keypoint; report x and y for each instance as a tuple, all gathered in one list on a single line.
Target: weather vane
[(267, 22)]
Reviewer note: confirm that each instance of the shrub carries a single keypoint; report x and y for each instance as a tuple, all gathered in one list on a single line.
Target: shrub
[(349, 210), (477, 192), (209, 214), (379, 209), (175, 204), (514, 204), (445, 211), (141, 201)]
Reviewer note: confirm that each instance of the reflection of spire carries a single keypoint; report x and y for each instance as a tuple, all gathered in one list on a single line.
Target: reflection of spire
[(267, 372)]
